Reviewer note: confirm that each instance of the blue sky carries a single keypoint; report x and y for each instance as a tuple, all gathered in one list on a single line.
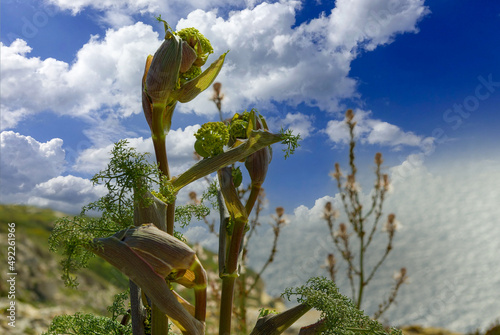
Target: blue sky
[(422, 76)]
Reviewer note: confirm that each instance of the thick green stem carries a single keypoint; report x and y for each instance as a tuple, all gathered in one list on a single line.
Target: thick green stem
[(228, 278), (136, 309), (170, 218), (200, 290), (159, 324), (226, 306), (161, 155), (159, 321), (243, 304)]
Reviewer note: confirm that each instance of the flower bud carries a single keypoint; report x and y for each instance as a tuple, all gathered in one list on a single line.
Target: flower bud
[(163, 73), (257, 164), (147, 104), (378, 159), (211, 139)]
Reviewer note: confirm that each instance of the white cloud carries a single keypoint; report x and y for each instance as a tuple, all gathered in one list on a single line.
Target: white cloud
[(269, 60), (375, 131), (104, 78), (180, 148), (173, 10), (299, 123), (25, 162), (67, 194)]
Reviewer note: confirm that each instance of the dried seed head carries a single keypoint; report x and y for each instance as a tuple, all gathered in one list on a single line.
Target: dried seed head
[(343, 228), (378, 159), (391, 225), (349, 115), (329, 212), (331, 260), (193, 198), (401, 276), (328, 207), (280, 211), (217, 86), (342, 232)]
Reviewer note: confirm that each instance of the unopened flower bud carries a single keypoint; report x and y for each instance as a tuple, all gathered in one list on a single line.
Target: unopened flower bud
[(378, 159), (163, 73), (147, 104), (257, 164)]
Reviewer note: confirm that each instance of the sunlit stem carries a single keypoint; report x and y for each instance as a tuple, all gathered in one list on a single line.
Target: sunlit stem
[(226, 306), (229, 278), (159, 322), (200, 290), (158, 136)]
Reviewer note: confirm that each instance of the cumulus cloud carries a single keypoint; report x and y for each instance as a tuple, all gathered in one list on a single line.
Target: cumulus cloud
[(373, 131), (299, 123), (270, 60), (67, 194), (174, 9), (180, 144), (103, 78), (25, 162)]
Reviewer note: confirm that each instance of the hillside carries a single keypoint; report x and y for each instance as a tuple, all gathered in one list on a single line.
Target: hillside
[(40, 292)]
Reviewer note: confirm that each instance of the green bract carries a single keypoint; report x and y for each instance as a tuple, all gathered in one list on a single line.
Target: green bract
[(211, 139)]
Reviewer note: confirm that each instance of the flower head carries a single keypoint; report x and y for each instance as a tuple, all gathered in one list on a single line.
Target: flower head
[(211, 139), (174, 75)]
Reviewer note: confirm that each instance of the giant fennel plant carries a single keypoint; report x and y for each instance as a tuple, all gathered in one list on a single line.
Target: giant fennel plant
[(136, 232)]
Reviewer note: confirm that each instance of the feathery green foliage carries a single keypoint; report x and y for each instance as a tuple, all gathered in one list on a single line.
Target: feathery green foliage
[(90, 324), (211, 194), (184, 214), (339, 312), (290, 140), (127, 178)]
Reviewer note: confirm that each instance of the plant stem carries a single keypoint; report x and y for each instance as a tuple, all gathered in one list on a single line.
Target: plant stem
[(226, 306), (229, 278), (159, 321), (361, 271), (252, 198), (136, 309)]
